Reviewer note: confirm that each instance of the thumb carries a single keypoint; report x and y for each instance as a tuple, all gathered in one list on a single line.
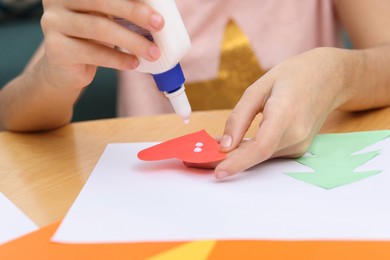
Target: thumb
[(240, 119)]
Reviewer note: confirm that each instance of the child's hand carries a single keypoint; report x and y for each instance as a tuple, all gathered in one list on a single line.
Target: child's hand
[(80, 36), (295, 98)]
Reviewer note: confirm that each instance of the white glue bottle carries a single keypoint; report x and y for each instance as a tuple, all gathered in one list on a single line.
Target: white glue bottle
[(174, 44)]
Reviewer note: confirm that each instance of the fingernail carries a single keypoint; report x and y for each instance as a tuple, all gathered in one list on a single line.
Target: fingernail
[(134, 63), (226, 141), (156, 21), (154, 52), (221, 175)]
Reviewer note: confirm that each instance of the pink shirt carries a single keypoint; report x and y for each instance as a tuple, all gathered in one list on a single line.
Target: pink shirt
[(276, 29)]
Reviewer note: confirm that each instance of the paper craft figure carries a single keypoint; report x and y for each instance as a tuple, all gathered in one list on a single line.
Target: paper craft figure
[(332, 160), (198, 147)]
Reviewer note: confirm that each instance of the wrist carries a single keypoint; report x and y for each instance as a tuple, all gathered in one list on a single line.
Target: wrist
[(362, 79), (346, 67), (49, 84), (60, 78)]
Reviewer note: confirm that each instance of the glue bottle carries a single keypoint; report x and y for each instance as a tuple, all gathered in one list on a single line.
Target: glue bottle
[(174, 44)]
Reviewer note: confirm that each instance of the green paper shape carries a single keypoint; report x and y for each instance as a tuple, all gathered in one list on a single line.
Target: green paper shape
[(332, 160)]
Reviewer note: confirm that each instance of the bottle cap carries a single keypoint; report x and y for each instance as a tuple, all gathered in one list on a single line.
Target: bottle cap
[(171, 80)]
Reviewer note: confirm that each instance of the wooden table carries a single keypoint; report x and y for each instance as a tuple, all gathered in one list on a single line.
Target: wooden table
[(42, 173)]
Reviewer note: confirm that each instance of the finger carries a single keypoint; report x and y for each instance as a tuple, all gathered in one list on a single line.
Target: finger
[(102, 29), (245, 139), (80, 51), (134, 11), (239, 121), (257, 150), (290, 152), (210, 165)]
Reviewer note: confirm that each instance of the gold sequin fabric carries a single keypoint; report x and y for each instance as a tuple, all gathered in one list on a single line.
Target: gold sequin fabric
[(239, 68)]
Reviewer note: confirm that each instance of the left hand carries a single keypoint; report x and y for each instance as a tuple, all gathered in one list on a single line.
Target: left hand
[(295, 98)]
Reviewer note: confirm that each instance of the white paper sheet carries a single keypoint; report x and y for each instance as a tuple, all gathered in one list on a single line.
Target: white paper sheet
[(13, 222), (127, 200)]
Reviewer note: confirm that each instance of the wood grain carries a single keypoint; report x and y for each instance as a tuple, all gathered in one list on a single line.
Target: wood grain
[(42, 173)]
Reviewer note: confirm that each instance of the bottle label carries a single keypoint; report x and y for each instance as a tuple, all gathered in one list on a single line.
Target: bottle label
[(135, 28)]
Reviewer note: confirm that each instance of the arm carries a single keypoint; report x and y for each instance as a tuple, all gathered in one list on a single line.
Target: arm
[(78, 37), (367, 23), (296, 96), (31, 102)]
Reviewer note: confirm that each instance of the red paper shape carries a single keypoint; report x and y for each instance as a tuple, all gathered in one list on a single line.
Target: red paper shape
[(183, 147)]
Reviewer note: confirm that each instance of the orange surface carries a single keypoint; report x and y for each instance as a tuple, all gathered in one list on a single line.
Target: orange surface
[(37, 246)]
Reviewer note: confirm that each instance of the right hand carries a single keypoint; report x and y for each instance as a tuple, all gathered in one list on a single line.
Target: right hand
[(80, 36)]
